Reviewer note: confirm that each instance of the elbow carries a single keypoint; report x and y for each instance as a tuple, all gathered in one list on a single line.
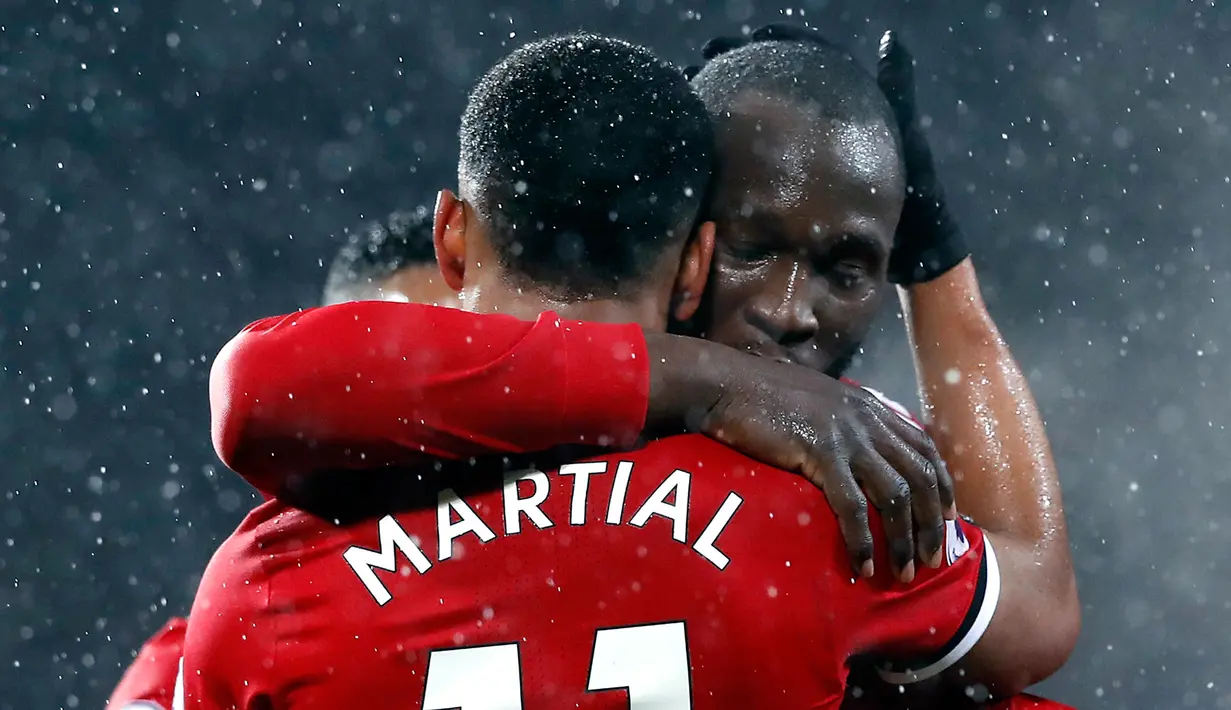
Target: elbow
[(1033, 641), (1055, 634), (234, 387), (1063, 628)]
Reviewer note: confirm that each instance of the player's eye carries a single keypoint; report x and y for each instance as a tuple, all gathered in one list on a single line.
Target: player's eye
[(851, 264), (848, 273), (747, 252)]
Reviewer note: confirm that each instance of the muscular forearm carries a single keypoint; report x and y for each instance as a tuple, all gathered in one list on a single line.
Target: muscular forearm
[(687, 376), (987, 428), (979, 409)]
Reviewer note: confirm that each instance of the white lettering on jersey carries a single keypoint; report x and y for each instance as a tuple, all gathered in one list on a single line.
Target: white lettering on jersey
[(619, 489), (956, 543), (177, 696), (657, 504), (705, 544), (670, 500), (515, 507), (393, 539), (447, 531), (581, 473)]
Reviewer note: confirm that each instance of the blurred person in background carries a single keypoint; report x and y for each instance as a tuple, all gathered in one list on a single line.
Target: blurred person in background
[(627, 271), (393, 260), (150, 680), (806, 241)]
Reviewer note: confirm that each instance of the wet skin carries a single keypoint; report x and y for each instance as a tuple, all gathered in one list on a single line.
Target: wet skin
[(805, 209)]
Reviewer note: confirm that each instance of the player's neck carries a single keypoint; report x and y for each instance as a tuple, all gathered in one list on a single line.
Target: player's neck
[(528, 304)]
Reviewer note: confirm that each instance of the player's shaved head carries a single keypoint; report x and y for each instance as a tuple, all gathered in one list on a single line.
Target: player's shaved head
[(815, 76), (586, 157)]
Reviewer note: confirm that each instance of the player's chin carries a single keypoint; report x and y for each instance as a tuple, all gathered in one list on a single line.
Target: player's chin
[(833, 357)]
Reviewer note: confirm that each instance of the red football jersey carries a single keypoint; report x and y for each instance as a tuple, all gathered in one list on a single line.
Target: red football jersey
[(682, 575), (150, 682)]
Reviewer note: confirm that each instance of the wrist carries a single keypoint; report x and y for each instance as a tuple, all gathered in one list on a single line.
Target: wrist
[(933, 247), (687, 378), (951, 306), (958, 288)]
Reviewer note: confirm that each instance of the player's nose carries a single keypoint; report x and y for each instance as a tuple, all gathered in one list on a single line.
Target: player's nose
[(784, 310)]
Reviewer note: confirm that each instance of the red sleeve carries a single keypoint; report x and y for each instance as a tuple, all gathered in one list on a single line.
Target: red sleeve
[(928, 625), (368, 384), (150, 681)]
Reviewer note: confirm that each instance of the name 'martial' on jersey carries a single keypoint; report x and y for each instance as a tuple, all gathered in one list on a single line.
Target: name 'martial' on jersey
[(456, 520)]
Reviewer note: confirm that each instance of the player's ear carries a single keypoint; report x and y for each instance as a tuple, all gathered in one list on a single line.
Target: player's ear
[(449, 238), (694, 272)]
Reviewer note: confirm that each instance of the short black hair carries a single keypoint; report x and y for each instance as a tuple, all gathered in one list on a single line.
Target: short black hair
[(377, 250), (811, 71), (586, 157)]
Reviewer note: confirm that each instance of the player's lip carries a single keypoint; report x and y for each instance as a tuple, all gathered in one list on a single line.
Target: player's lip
[(777, 353), (767, 352)]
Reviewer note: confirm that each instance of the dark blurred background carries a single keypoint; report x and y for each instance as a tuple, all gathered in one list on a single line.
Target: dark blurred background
[(172, 169)]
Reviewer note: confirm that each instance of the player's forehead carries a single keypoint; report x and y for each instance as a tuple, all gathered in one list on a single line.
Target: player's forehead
[(788, 147), (785, 167)]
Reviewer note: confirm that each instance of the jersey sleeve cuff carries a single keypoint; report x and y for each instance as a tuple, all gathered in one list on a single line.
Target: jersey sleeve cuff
[(982, 607), (606, 383)]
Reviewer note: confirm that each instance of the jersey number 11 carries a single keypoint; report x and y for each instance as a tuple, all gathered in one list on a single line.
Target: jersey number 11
[(650, 662)]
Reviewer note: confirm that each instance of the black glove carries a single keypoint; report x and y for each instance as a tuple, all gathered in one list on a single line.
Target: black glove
[(713, 48), (928, 242), (777, 31), (773, 32)]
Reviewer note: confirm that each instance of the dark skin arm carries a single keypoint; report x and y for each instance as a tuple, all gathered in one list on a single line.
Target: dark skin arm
[(306, 405), (839, 437)]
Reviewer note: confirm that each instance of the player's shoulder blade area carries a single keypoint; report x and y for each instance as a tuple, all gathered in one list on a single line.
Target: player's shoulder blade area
[(656, 576)]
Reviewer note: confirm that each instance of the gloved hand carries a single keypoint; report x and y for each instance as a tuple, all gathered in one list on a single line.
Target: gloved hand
[(928, 242), (775, 31)]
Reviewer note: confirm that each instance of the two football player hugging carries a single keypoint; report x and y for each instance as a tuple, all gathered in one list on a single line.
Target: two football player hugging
[(815, 190)]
